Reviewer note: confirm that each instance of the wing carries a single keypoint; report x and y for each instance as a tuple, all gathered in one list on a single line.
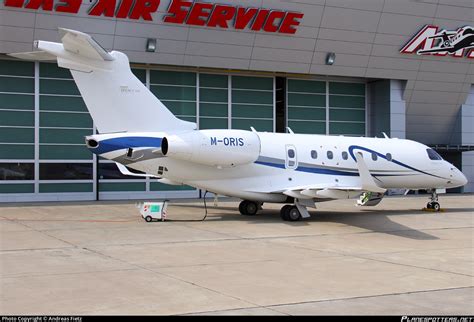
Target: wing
[(328, 192), (333, 191), (318, 191)]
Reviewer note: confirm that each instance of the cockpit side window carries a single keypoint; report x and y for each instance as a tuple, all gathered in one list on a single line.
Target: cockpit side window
[(433, 155)]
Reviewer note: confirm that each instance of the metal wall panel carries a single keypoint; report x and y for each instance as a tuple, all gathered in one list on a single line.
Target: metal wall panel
[(366, 36)]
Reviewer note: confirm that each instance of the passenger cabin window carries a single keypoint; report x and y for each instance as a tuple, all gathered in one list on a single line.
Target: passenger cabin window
[(345, 156), (314, 154), (374, 156), (389, 157), (330, 155), (433, 155)]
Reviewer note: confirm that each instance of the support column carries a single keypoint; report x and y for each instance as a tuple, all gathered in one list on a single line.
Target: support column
[(397, 109), (387, 108), (467, 138)]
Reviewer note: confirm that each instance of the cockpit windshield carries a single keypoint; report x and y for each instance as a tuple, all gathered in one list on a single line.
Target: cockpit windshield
[(433, 155)]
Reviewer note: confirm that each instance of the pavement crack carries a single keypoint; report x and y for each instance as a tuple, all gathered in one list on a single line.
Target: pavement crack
[(373, 296), (409, 265)]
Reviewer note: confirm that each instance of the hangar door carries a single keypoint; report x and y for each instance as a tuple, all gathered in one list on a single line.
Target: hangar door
[(235, 102), (326, 107), (43, 121)]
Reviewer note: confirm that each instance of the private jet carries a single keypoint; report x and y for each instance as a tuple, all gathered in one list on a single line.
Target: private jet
[(139, 133)]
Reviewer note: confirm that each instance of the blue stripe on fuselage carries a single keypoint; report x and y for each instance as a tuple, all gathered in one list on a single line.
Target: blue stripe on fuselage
[(109, 145), (311, 170), (358, 147)]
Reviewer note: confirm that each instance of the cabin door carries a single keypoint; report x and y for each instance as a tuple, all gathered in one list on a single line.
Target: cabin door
[(291, 161)]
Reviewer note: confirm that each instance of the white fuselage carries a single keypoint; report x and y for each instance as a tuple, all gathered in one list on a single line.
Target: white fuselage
[(393, 163)]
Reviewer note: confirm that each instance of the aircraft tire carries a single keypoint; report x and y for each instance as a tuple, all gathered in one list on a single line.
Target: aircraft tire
[(241, 208), (429, 205), (248, 208), (435, 206), (284, 212), (293, 214)]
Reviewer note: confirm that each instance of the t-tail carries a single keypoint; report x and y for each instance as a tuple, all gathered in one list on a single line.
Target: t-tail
[(116, 99)]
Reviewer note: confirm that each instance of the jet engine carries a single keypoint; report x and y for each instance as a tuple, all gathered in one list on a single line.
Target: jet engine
[(221, 148)]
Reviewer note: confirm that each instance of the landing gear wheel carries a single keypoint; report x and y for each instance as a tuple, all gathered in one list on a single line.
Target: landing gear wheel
[(241, 208), (293, 214), (248, 208), (148, 219), (435, 206), (284, 212)]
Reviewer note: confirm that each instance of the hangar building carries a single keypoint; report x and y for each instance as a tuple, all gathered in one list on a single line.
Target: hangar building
[(403, 67)]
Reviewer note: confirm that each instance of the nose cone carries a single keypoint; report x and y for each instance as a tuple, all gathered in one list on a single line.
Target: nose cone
[(458, 179), (461, 179)]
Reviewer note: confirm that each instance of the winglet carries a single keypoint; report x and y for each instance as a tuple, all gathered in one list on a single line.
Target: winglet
[(367, 181)]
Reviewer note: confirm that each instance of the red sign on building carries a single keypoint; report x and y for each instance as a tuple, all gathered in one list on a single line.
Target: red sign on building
[(187, 12), (432, 41)]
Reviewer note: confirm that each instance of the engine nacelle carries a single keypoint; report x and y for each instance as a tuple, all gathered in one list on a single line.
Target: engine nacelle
[(222, 148)]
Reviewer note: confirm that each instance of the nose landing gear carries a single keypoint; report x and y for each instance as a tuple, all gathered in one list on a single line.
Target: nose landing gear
[(433, 204)]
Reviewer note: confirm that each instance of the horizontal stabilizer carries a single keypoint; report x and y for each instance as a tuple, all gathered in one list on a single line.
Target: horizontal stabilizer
[(83, 45), (34, 55)]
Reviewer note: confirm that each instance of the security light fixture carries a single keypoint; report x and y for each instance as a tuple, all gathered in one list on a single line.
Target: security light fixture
[(330, 58), (151, 45)]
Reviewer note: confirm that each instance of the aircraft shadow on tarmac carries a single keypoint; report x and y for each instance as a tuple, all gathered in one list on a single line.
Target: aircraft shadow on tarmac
[(374, 220)]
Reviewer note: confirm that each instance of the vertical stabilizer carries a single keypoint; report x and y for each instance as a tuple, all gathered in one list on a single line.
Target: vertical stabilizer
[(116, 99)]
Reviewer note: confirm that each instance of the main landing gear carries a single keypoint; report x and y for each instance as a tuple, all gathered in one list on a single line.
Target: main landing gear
[(433, 204), (290, 213), (249, 208)]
